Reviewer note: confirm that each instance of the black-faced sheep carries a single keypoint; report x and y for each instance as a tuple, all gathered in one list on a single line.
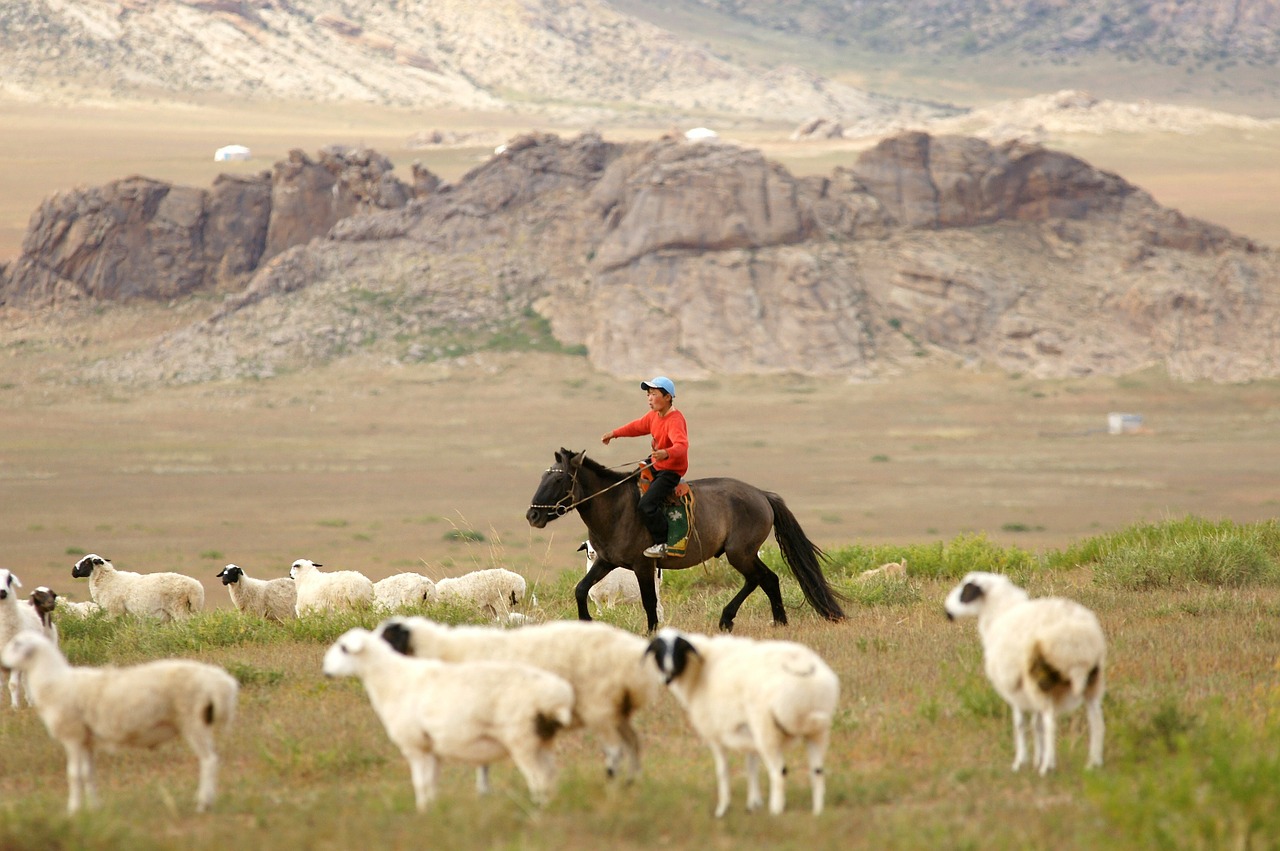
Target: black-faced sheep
[(274, 599), (756, 696), (1044, 656), (167, 596)]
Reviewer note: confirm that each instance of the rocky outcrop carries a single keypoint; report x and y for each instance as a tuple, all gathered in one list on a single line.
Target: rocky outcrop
[(144, 238), (703, 258)]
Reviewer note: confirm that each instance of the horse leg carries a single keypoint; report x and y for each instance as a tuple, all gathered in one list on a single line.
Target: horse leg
[(758, 575), (648, 593), (599, 570)]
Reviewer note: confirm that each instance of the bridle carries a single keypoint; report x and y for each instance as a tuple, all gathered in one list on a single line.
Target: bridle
[(560, 508)]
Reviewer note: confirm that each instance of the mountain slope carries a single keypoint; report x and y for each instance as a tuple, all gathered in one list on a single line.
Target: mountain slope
[(499, 54)]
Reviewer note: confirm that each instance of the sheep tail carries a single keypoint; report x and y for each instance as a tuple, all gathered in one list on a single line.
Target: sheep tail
[(1052, 680), (804, 558)]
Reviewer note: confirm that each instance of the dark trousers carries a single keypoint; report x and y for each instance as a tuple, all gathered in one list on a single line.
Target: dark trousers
[(651, 504)]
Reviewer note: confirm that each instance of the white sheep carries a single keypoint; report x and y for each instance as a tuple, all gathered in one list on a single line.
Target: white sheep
[(274, 599), (336, 590), (77, 609), (620, 585), (167, 596), (495, 590), (1044, 656), (601, 662), (479, 712), (403, 589), (141, 706), (15, 616), (756, 696)]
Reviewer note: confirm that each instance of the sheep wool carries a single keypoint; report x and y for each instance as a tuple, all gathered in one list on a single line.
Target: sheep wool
[(495, 590), (15, 616), (337, 590), (273, 599), (167, 596), (479, 712), (1044, 656), (403, 589), (756, 696), (601, 662), (142, 706)]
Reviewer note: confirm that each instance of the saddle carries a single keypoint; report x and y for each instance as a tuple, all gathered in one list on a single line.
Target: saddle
[(677, 496)]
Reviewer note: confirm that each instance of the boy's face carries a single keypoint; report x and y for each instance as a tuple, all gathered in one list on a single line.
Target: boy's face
[(658, 400)]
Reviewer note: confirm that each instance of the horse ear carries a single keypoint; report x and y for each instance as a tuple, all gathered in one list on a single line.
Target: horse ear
[(578, 458)]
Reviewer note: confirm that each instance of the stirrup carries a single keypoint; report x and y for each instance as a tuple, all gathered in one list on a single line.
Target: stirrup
[(656, 551)]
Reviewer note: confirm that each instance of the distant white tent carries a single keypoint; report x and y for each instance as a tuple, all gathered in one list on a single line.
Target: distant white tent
[(228, 153), (701, 134)]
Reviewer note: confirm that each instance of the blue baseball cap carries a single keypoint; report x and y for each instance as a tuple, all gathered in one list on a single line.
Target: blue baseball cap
[(662, 383)]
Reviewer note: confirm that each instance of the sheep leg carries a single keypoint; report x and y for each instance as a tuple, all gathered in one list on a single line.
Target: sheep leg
[(722, 780), (81, 791), (1019, 740), (1097, 727), (755, 800), (424, 768), (1048, 731), (599, 570), (534, 762), (200, 741), (769, 741), (15, 685), (816, 747), (482, 780), (1037, 741)]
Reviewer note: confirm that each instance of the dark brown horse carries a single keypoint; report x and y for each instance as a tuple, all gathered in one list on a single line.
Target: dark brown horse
[(730, 518)]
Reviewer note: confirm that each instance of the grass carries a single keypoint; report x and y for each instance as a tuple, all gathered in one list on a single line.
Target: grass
[(919, 755)]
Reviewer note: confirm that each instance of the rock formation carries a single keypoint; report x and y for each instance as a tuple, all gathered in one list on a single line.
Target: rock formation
[(688, 258)]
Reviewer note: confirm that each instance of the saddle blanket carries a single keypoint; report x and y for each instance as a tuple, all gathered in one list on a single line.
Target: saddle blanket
[(679, 510)]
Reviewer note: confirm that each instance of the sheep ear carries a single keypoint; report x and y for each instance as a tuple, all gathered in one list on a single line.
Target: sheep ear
[(14, 581), (970, 592), (582, 546)]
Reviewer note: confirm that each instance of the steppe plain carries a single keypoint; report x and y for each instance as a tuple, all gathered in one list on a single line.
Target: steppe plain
[(385, 468)]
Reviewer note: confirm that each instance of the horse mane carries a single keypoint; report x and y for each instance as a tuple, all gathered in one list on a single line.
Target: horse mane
[(601, 470)]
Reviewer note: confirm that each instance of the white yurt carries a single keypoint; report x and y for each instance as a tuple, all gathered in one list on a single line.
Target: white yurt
[(229, 153)]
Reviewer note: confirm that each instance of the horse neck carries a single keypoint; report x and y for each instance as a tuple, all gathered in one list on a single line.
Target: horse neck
[(598, 510)]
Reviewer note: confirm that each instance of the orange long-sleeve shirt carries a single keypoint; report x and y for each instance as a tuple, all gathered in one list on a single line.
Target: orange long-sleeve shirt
[(670, 433)]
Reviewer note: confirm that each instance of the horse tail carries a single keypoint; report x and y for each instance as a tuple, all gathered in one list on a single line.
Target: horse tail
[(803, 557)]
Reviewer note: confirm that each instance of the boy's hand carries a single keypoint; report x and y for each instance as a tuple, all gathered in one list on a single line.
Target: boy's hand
[(608, 436), (660, 455)]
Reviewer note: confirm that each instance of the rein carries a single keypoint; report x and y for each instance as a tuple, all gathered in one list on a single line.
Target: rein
[(561, 509)]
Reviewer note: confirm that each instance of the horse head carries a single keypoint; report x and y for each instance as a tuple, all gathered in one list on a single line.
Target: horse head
[(555, 494)]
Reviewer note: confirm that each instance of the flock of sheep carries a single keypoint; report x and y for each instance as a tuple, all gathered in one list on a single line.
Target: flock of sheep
[(480, 694)]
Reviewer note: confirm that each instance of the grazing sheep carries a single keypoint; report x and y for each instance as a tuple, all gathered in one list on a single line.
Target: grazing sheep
[(274, 599), (620, 585), (601, 662), (756, 696), (14, 618), (403, 589), (495, 590), (479, 712), (140, 706), (1044, 656), (167, 596), (336, 590)]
